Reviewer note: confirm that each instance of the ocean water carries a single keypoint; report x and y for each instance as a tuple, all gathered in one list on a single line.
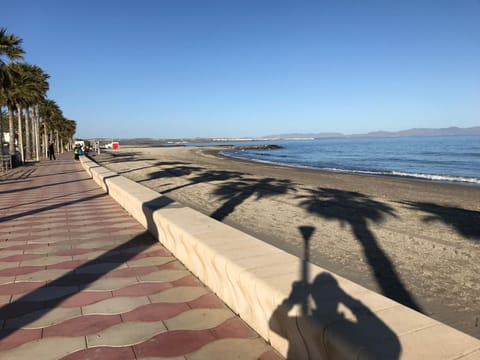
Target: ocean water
[(438, 158)]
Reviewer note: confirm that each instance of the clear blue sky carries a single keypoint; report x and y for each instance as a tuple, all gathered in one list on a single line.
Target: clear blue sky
[(203, 68)]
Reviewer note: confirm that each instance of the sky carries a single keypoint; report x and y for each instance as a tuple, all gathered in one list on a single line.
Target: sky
[(250, 68)]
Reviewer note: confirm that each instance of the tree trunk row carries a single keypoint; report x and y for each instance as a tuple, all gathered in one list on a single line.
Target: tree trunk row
[(30, 143)]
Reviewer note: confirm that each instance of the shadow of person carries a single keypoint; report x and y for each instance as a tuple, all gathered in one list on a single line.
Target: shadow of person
[(322, 321), (335, 326)]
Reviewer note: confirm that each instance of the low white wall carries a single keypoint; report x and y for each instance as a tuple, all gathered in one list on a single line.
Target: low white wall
[(331, 318)]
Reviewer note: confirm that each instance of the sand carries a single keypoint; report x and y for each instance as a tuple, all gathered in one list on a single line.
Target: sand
[(417, 242)]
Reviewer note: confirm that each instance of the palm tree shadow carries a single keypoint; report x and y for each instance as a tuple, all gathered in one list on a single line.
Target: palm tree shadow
[(41, 301), (236, 192), (174, 171), (356, 210), (325, 332), (205, 176), (119, 157), (465, 222)]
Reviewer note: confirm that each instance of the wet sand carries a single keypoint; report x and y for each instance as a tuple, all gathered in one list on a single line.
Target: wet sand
[(417, 242)]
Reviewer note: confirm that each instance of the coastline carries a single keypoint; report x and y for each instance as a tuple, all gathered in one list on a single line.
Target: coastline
[(418, 236), (385, 174), (456, 177)]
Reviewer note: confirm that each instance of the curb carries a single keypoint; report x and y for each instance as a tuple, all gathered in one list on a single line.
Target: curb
[(327, 317)]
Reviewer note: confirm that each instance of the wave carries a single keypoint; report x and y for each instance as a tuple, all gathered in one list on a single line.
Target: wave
[(430, 177), (434, 177)]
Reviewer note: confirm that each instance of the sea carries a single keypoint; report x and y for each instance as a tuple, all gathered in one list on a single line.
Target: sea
[(436, 158)]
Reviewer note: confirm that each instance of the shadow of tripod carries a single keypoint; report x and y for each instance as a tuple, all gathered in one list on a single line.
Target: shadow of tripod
[(323, 331)]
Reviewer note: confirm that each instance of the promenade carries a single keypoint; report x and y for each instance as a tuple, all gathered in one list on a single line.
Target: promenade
[(80, 278)]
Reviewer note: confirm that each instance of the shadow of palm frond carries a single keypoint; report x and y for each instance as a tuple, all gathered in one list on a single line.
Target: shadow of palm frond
[(357, 210), (236, 192), (206, 176), (465, 222)]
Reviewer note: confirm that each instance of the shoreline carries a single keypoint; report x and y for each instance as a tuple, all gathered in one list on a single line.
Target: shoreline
[(446, 179), (393, 180), (412, 240)]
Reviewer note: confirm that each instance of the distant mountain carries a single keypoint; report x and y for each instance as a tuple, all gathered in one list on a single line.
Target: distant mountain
[(426, 132), (301, 136), (410, 132)]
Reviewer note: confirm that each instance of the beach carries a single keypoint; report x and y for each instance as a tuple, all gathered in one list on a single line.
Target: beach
[(417, 242)]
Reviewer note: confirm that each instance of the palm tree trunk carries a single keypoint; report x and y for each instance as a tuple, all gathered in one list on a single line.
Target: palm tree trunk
[(11, 143), (37, 132), (1, 132), (37, 124), (34, 136), (20, 133), (45, 141), (57, 141), (28, 135)]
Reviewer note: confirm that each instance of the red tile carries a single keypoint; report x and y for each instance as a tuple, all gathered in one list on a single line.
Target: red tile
[(207, 301), (134, 271), (18, 337), (156, 252), (19, 287), (234, 328), (174, 343), (86, 298), (20, 270), (271, 355), (70, 264), (23, 257), (173, 265), (103, 353), (142, 289), (82, 325), (73, 252), (24, 247), (155, 312), (189, 280)]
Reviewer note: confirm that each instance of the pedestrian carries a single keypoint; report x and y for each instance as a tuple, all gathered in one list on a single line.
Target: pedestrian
[(51, 152), (76, 152)]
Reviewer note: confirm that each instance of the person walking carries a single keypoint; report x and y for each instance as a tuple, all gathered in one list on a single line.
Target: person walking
[(51, 152)]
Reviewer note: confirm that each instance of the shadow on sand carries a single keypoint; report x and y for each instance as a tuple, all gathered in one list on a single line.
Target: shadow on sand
[(236, 192), (465, 222), (357, 210)]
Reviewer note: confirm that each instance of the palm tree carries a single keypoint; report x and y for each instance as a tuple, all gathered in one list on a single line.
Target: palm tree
[(10, 50), (52, 122), (28, 87), (38, 93), (32, 89), (67, 131)]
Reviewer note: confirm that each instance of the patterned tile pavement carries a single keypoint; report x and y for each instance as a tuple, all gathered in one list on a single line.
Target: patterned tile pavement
[(81, 279)]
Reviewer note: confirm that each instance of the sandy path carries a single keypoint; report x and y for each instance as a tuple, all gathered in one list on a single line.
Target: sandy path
[(416, 242)]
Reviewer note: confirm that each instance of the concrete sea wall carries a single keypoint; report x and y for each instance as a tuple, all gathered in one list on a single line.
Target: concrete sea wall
[(304, 311)]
